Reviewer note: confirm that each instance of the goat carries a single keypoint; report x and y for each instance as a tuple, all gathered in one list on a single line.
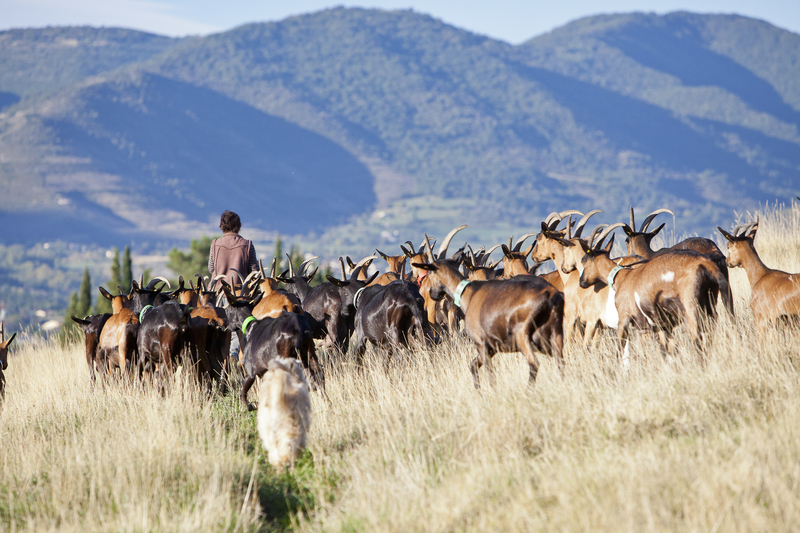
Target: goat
[(163, 331), (478, 265), (329, 304), (92, 326), (287, 335), (4, 345), (657, 294), (274, 301), (638, 243), (396, 271), (117, 342), (284, 411), (775, 295), (389, 315), (502, 315), (515, 261)]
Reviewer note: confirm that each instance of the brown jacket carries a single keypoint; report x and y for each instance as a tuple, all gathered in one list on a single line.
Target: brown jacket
[(230, 252)]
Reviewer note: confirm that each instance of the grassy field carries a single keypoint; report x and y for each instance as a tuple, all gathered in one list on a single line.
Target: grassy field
[(671, 445)]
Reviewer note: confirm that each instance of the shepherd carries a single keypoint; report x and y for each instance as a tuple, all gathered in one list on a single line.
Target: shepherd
[(228, 253)]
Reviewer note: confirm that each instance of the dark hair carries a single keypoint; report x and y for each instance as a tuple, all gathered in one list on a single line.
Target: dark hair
[(230, 222)]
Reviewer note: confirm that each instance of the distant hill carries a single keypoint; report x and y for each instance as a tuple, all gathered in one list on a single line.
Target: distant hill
[(357, 127)]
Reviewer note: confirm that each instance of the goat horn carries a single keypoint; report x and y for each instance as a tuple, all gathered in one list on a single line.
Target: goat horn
[(570, 224), (446, 242), (594, 233), (272, 267), (490, 250), (651, 216), (609, 229), (156, 280), (344, 269), (428, 249), (250, 277), (582, 222), (569, 213), (633, 222), (521, 240), (261, 268), (241, 279), (305, 263), (364, 261), (291, 266)]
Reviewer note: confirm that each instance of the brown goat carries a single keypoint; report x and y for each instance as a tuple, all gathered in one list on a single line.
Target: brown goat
[(521, 314), (775, 295), (638, 243), (118, 336), (658, 294), (275, 300), (4, 345), (515, 261), (92, 326), (396, 270)]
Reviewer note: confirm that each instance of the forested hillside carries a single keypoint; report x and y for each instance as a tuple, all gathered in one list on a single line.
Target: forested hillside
[(347, 126)]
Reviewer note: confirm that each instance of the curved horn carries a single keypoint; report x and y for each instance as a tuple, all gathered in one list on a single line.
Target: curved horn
[(428, 249), (364, 261), (576, 232), (608, 230), (291, 266), (743, 229), (595, 231), (651, 216), (218, 277), (305, 263), (521, 240), (156, 280), (241, 279), (446, 242), (551, 217), (252, 275), (490, 250)]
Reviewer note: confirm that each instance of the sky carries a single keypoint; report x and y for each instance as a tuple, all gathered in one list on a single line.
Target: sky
[(513, 21)]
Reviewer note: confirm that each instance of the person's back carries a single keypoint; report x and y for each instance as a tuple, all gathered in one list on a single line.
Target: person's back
[(231, 252)]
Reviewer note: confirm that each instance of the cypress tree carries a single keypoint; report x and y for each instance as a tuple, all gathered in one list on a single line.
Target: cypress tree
[(127, 269)]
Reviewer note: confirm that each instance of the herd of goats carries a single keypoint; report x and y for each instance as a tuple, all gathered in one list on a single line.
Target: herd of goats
[(504, 305)]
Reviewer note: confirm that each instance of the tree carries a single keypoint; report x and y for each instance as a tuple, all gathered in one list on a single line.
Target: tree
[(69, 326), (84, 304), (195, 261), (127, 270)]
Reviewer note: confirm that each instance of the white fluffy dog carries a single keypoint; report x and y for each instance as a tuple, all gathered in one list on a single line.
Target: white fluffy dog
[(284, 411)]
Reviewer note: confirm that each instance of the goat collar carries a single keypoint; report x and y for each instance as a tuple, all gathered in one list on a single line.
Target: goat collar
[(355, 297), (459, 291), (144, 311), (246, 323), (613, 274)]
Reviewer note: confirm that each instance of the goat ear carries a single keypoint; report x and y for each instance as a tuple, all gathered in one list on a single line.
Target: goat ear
[(406, 252), (586, 248), (725, 234), (350, 263), (655, 231), (337, 282), (105, 293), (8, 342), (628, 231), (80, 321), (383, 255), (425, 266), (545, 229), (506, 251)]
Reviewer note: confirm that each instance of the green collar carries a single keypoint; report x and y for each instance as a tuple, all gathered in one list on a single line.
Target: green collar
[(613, 274), (143, 311), (246, 323), (459, 292)]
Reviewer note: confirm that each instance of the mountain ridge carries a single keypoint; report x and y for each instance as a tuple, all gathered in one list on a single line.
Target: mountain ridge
[(697, 112)]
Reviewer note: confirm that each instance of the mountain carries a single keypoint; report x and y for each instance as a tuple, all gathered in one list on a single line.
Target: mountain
[(359, 127)]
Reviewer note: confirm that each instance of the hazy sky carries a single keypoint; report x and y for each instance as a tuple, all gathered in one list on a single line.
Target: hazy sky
[(513, 21)]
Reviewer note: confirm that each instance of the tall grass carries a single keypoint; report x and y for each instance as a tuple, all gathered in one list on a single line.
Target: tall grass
[(681, 444)]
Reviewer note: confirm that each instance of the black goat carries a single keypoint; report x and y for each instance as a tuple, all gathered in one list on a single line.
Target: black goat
[(287, 335), (389, 315), (163, 331), (92, 326)]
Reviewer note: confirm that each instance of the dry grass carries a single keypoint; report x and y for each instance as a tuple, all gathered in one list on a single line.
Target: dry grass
[(677, 445)]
